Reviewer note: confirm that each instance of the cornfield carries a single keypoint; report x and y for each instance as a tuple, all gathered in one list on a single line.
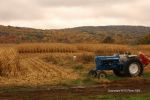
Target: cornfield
[(38, 72), (9, 62), (105, 49), (30, 71), (144, 47), (46, 48), (43, 63), (72, 48)]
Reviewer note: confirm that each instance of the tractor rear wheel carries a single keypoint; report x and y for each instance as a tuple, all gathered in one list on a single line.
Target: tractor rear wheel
[(133, 67), (118, 73)]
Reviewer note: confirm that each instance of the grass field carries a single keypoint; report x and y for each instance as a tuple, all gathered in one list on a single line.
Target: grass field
[(59, 64), (43, 63)]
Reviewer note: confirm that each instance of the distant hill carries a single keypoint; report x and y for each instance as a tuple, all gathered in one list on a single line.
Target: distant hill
[(86, 34)]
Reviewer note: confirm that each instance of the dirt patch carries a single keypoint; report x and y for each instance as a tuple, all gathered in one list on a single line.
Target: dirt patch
[(130, 85)]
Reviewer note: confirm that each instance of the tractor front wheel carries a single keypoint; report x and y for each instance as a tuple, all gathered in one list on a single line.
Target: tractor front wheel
[(92, 73), (101, 74)]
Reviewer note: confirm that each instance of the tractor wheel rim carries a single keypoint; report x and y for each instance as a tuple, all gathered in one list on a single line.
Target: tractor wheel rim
[(102, 76), (134, 68)]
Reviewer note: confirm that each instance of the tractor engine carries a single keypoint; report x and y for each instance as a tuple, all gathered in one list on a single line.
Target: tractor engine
[(107, 62)]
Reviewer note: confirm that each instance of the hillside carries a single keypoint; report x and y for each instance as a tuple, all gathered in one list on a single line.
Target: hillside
[(87, 34)]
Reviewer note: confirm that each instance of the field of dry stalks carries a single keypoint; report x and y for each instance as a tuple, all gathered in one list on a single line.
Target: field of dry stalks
[(104, 49), (43, 63)]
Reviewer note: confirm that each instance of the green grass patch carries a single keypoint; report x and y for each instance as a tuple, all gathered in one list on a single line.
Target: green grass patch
[(85, 81), (146, 75), (113, 77), (77, 82), (113, 97), (122, 97)]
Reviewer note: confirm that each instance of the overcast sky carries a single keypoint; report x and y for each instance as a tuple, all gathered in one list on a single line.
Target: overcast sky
[(50, 14)]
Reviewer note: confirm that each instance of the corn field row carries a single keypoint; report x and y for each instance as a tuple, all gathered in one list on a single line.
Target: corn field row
[(105, 49)]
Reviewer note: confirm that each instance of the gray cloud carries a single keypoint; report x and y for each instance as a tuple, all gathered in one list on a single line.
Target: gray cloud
[(80, 2), (18, 10), (70, 13)]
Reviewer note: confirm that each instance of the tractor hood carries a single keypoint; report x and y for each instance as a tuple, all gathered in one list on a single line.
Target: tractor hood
[(106, 62), (107, 58)]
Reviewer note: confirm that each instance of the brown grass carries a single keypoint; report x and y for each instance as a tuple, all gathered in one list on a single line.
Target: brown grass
[(101, 49), (37, 72), (46, 48), (9, 62), (144, 47), (85, 58)]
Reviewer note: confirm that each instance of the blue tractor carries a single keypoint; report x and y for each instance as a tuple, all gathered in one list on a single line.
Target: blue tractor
[(123, 65)]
